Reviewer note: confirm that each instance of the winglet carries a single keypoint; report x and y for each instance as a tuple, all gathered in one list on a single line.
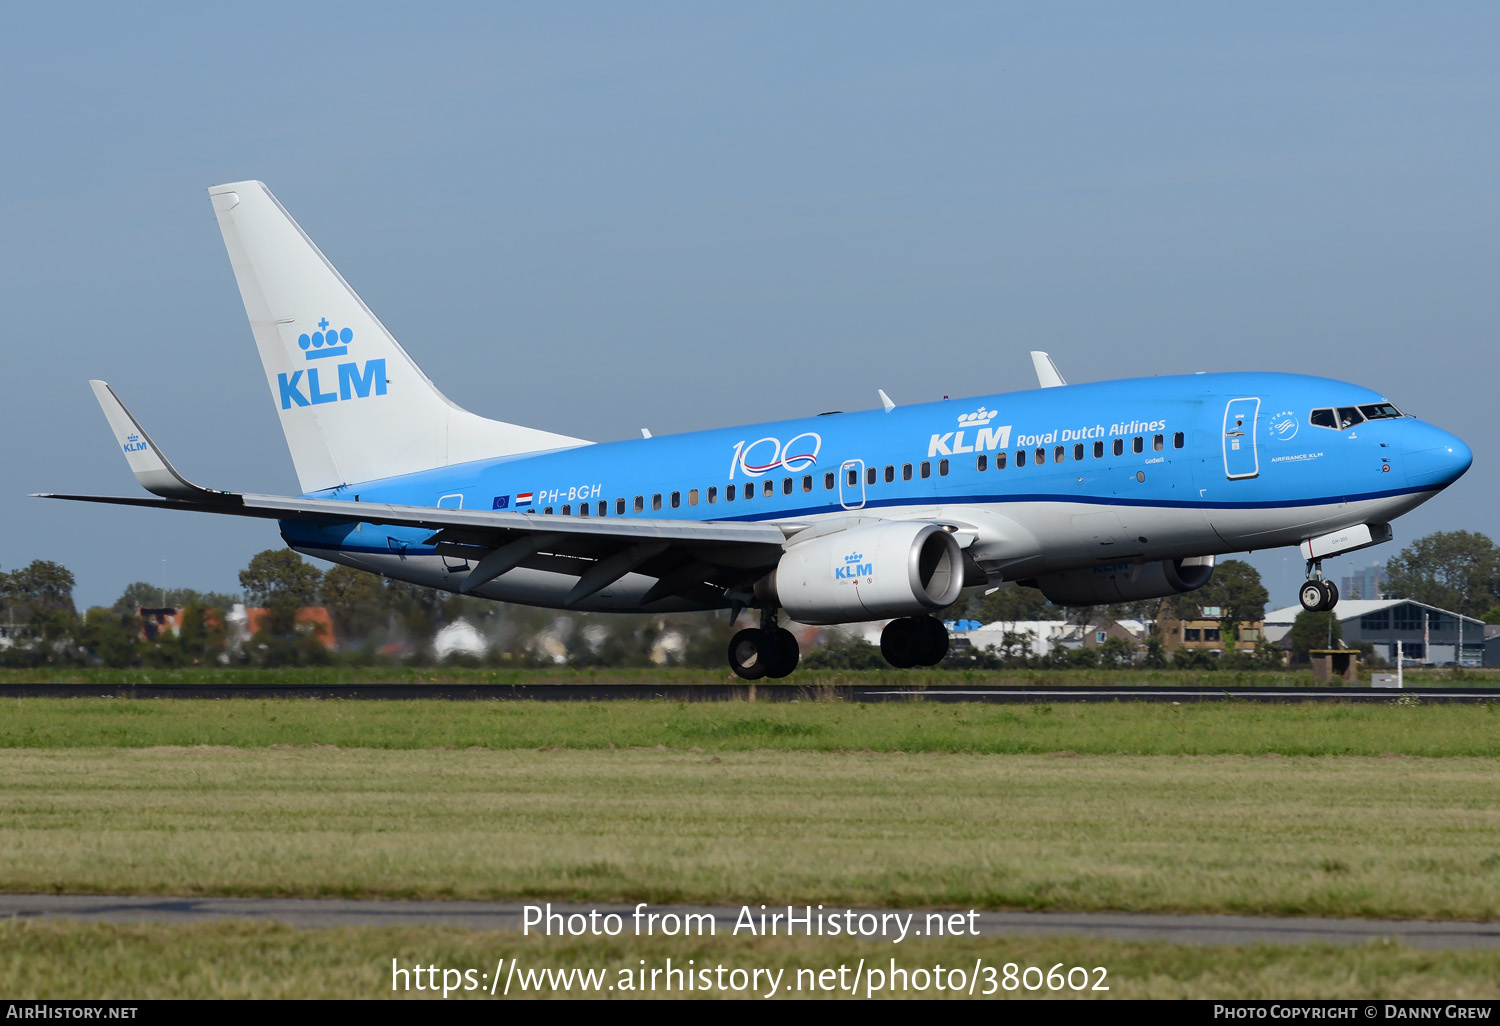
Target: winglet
[(147, 463), (885, 400), (1047, 375)]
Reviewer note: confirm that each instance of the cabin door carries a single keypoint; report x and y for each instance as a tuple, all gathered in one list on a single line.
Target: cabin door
[(1240, 457), (852, 484)]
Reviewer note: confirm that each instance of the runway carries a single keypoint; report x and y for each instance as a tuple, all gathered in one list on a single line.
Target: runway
[(776, 692), (508, 917)]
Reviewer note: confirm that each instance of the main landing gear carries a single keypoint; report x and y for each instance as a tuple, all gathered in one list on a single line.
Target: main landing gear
[(764, 651), (914, 641), (1318, 595)]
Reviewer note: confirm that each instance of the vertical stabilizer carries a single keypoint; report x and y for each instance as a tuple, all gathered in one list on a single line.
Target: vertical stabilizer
[(352, 403)]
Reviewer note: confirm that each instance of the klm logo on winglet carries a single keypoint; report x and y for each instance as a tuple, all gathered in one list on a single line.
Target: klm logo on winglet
[(355, 381), (986, 438), (133, 443)]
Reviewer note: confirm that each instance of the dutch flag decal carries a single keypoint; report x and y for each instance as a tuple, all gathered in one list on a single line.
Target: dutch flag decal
[(524, 498)]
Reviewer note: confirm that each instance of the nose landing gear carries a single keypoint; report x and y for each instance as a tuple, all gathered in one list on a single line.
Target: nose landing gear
[(1318, 595)]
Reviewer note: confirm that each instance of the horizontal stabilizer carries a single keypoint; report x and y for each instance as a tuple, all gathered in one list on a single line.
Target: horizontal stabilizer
[(1047, 375)]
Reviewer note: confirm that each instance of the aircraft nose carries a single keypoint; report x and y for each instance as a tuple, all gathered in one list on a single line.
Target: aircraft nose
[(1433, 457)]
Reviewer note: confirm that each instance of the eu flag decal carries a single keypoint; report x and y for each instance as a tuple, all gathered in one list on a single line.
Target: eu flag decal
[(501, 502)]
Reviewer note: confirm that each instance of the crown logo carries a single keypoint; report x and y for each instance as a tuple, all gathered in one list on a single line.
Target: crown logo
[(979, 418), (132, 438), (323, 343), (854, 558)]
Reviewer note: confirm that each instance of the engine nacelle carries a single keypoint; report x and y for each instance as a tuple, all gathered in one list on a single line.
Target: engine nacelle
[(868, 573), (1126, 582)]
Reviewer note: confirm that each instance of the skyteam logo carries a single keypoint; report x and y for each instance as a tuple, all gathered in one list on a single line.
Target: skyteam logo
[(986, 438), (853, 568), (355, 381)]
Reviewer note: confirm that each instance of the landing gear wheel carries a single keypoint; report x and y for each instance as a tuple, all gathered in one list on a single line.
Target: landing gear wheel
[(1333, 595), (900, 643), (747, 654), (782, 652), (934, 640), (1319, 596)]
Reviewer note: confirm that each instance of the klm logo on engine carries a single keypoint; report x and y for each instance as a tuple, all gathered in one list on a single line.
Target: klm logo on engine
[(986, 438), (853, 569), (354, 380)]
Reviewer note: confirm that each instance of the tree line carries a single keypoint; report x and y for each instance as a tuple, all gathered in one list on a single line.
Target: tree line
[(374, 618)]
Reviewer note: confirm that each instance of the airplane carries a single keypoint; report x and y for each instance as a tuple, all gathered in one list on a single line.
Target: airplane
[(1094, 493)]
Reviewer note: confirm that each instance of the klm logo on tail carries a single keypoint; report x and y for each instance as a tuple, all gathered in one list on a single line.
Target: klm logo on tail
[(355, 381)]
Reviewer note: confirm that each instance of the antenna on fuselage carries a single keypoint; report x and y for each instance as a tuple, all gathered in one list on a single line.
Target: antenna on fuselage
[(1047, 375), (885, 400)]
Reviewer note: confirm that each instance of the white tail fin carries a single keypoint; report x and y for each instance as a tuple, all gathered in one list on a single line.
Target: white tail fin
[(353, 405)]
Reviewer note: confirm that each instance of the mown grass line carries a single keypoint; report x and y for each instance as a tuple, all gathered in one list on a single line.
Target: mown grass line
[(59, 960), (1310, 729), (1380, 838)]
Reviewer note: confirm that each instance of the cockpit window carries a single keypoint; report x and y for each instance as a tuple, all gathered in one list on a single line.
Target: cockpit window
[(1380, 411), (1324, 418), (1349, 416)]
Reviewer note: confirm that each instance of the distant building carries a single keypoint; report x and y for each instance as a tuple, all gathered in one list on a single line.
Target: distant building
[(1206, 633), (1427, 634), (245, 622), (1364, 584)]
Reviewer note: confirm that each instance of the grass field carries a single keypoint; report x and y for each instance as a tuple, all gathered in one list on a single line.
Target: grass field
[(254, 960), (1208, 728), (1389, 810)]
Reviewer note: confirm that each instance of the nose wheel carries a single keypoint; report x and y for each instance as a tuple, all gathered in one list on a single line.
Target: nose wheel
[(1318, 595)]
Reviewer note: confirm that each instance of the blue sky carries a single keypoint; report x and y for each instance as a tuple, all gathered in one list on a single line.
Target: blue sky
[(594, 217)]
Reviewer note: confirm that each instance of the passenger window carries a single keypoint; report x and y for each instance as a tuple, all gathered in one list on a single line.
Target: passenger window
[(619, 507), (786, 486), (807, 482), (1323, 418), (676, 500), (942, 468), (828, 481), (713, 495), (583, 509), (769, 488), (656, 501), (890, 473), (640, 503), (1138, 445), (1020, 457), (547, 511), (747, 492), (1059, 453), (1349, 416), (729, 493), (1041, 456), (980, 462), (853, 477), (1159, 443), (1177, 440), (692, 496), (604, 507), (870, 474), (906, 471), (568, 510), (1078, 451), (1098, 450), (1119, 447), (999, 461), (927, 469)]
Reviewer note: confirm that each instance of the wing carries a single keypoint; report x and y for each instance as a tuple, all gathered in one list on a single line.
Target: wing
[(696, 558)]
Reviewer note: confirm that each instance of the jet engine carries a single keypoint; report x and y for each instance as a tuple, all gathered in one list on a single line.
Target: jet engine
[(1126, 582), (869, 572)]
